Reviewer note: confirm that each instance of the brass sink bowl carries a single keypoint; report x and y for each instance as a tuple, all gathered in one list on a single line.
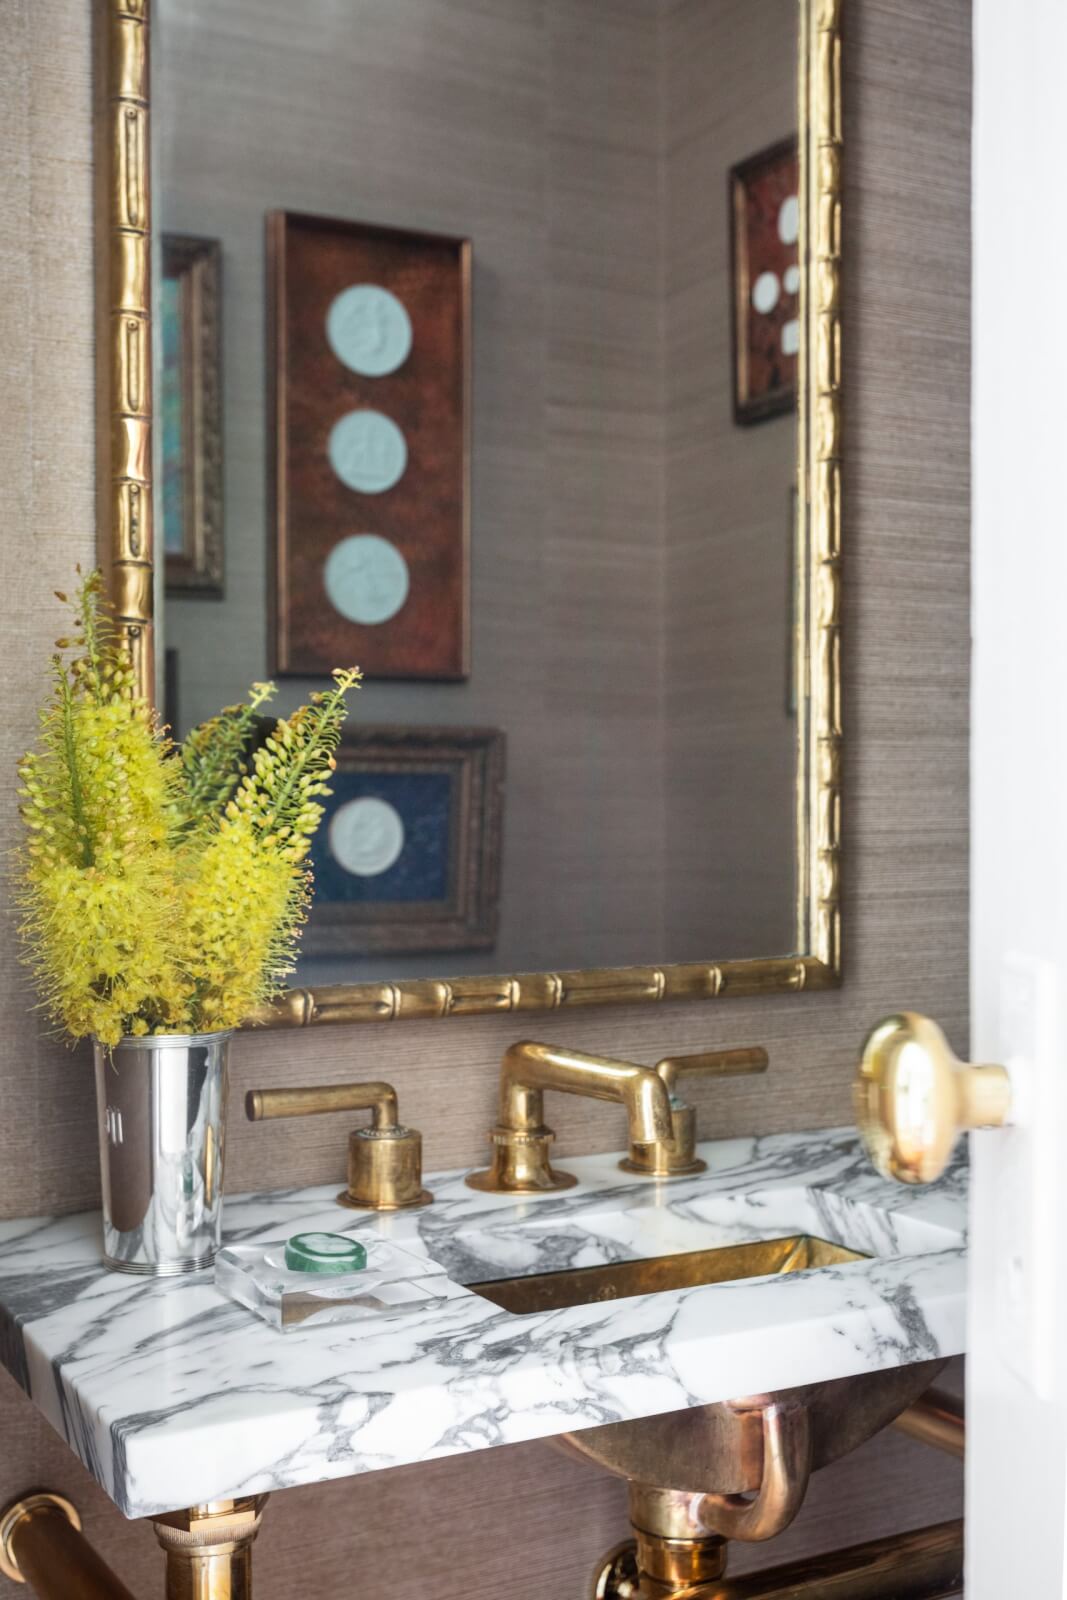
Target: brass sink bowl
[(582, 1286), (688, 1469), (719, 1449)]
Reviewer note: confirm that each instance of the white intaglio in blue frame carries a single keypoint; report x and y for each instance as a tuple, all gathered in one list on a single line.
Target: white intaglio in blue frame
[(408, 854), (386, 837)]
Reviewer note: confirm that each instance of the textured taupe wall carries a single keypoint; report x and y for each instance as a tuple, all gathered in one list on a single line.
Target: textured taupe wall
[(535, 132), (529, 1521), (730, 766)]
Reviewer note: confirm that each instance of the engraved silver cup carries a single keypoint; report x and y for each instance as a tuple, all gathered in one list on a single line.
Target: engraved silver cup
[(161, 1109)]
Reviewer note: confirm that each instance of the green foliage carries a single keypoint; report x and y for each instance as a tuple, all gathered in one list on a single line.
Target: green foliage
[(163, 890), (213, 754)]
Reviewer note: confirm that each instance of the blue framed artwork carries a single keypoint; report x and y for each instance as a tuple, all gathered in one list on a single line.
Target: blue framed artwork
[(190, 413), (407, 857)]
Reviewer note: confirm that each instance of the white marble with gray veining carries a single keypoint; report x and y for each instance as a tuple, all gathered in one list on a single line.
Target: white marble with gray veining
[(172, 1394)]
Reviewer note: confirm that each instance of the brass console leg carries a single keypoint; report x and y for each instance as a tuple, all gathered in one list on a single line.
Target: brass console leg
[(209, 1549), (42, 1545)]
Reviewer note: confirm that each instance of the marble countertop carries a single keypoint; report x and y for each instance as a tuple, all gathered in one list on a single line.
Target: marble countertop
[(171, 1394)]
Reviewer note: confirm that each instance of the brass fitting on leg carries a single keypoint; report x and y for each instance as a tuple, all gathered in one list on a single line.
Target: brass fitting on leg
[(682, 1535), (209, 1549), (675, 1547)]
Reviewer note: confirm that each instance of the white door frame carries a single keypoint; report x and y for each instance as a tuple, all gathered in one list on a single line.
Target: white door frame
[(1017, 1334)]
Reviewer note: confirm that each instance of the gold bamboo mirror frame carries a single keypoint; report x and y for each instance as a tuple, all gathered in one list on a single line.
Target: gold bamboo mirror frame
[(126, 538)]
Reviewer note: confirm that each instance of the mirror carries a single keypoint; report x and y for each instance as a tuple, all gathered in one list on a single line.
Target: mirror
[(488, 353)]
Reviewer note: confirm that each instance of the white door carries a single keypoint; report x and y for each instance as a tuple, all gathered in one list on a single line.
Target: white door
[(1017, 1362), (1016, 1461)]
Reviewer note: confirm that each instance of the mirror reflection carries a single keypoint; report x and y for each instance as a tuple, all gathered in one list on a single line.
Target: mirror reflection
[(477, 332)]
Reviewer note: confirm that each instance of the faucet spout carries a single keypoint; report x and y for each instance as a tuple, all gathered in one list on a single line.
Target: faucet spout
[(520, 1140)]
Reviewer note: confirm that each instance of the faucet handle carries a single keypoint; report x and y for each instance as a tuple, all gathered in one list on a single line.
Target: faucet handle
[(716, 1063), (680, 1155), (384, 1160)]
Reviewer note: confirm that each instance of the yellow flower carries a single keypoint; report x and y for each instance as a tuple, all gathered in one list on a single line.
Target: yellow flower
[(163, 891)]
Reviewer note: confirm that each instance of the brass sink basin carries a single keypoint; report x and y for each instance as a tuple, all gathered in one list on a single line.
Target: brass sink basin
[(581, 1286)]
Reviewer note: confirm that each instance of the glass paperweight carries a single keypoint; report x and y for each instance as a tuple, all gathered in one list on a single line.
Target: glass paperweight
[(393, 1280)]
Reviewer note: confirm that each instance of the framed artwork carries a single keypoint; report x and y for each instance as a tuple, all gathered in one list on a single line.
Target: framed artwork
[(370, 387), (764, 231), (407, 857), (190, 413)]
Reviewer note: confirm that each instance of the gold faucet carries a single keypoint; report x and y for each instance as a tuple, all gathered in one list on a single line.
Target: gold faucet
[(662, 1132), (680, 1156), (384, 1160)]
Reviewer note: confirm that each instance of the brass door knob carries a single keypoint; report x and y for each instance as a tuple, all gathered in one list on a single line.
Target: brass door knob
[(913, 1098)]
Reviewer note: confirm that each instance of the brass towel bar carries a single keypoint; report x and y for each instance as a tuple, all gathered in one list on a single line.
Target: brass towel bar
[(936, 1418)]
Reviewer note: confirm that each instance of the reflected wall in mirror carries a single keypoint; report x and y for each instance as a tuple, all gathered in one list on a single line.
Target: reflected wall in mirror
[(643, 570)]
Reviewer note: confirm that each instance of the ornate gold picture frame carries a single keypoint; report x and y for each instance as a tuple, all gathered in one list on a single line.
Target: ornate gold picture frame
[(126, 540)]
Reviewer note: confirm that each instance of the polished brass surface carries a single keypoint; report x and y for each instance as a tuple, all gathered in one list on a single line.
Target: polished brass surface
[(937, 1419), (718, 1449), (679, 1563), (123, 323), (520, 1140), (618, 1576), (42, 1546), (434, 999), (384, 1171), (580, 1286), (690, 1471), (786, 1427), (384, 1160), (913, 1098), (209, 1549), (679, 1155), (520, 1164), (924, 1564), (819, 476), (682, 1516), (378, 1098), (125, 540)]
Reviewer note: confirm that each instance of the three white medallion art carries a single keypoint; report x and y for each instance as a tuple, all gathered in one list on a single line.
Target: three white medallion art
[(365, 576), (767, 288)]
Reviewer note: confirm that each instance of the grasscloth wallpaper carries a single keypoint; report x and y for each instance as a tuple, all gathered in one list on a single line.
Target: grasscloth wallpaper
[(526, 1521)]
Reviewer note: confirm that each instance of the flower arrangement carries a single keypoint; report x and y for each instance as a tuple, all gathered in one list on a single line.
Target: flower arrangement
[(163, 888)]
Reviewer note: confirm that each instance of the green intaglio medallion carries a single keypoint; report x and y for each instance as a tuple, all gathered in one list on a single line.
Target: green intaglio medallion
[(324, 1253)]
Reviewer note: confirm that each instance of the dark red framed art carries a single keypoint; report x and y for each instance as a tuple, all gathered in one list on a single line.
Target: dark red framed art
[(765, 249), (369, 378)]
